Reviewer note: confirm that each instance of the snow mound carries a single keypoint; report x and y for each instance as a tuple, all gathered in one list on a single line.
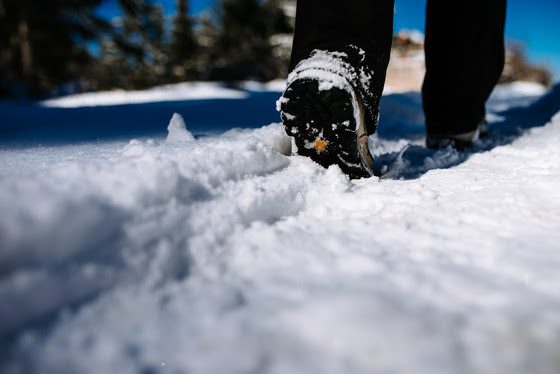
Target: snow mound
[(177, 130)]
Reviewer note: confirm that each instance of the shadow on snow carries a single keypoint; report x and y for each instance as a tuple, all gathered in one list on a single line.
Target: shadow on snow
[(405, 120), (30, 125)]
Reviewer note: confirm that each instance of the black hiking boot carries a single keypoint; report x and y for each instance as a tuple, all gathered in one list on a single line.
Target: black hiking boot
[(326, 119)]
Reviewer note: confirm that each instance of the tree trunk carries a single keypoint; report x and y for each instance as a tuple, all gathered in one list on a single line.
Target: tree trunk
[(24, 49)]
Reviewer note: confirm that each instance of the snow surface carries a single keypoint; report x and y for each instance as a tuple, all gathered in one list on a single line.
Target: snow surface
[(193, 251), (172, 92)]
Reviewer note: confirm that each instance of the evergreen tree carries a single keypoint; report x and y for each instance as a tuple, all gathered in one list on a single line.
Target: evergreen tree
[(183, 47), (43, 43), (240, 44), (146, 28), (131, 56), (46, 43)]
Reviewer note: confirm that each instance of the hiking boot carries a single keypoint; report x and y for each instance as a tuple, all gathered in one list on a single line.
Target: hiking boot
[(325, 116), (457, 141)]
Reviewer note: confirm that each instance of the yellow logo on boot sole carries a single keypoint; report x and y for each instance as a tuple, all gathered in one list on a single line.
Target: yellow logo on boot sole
[(320, 145)]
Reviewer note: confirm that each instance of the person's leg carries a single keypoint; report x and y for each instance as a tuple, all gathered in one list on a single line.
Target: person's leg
[(464, 49), (339, 57)]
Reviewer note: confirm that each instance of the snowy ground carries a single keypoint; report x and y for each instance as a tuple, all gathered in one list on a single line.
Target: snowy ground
[(128, 249)]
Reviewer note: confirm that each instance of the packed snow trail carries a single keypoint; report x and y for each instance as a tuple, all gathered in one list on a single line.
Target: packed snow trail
[(220, 254)]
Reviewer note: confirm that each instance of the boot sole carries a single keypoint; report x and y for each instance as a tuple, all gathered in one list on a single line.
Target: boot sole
[(323, 125)]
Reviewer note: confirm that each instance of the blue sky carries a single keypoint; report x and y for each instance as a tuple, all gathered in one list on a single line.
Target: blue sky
[(536, 23)]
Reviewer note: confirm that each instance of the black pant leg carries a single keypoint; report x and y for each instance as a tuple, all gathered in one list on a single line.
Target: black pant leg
[(464, 49), (335, 25)]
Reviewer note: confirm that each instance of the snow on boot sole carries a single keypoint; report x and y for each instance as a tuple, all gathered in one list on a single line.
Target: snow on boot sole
[(323, 124)]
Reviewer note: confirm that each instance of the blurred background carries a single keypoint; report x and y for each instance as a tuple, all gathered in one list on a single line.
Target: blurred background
[(52, 48)]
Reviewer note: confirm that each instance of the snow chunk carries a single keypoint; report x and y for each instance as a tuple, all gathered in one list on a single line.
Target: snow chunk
[(275, 137), (177, 130)]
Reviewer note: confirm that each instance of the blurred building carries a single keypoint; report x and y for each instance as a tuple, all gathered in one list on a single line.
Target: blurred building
[(406, 67)]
